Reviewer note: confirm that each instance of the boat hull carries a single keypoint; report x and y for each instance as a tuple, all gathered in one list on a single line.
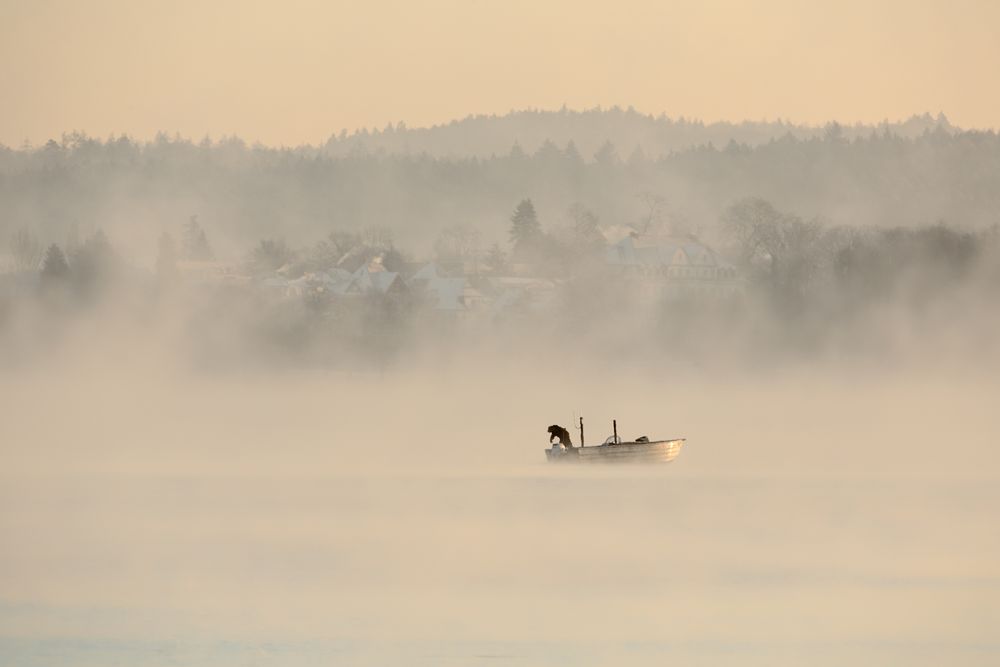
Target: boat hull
[(659, 451)]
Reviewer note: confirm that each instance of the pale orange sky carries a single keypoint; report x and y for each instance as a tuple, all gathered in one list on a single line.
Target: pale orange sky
[(298, 70)]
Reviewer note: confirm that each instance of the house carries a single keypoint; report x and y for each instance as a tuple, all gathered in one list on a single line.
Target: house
[(336, 282), (333, 281), (374, 279), (445, 293), (680, 265), (518, 294)]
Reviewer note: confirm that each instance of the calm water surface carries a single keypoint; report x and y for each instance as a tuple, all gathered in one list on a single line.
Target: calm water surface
[(521, 567)]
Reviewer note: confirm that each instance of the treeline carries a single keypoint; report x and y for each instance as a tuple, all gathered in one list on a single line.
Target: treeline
[(242, 193), (654, 135), (798, 262), (808, 288), (92, 265), (847, 291)]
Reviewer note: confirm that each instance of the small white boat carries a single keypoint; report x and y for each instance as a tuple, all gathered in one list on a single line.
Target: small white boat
[(614, 450)]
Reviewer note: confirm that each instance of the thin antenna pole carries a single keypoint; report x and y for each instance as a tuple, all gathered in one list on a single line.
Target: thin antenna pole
[(614, 424)]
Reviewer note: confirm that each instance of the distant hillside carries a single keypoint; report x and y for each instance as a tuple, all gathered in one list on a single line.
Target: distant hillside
[(915, 173), (626, 129)]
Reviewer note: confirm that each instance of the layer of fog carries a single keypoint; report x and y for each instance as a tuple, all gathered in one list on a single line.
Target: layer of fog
[(168, 476), (412, 509), (182, 460)]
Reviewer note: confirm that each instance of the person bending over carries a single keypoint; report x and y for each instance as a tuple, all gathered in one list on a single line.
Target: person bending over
[(558, 432)]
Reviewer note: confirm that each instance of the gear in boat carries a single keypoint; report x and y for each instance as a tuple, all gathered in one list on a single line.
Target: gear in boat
[(612, 450)]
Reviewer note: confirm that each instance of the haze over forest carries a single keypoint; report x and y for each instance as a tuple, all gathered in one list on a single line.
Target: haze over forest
[(840, 238), (279, 395), (418, 182)]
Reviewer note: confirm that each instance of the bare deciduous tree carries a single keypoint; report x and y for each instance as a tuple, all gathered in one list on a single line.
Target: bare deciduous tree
[(377, 237), (585, 232), (782, 248), (26, 250), (459, 242), (652, 218)]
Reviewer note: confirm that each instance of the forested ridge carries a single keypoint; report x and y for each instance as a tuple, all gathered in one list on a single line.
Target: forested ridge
[(915, 173)]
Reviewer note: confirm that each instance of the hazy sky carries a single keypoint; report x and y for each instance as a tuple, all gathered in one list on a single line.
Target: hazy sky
[(298, 70)]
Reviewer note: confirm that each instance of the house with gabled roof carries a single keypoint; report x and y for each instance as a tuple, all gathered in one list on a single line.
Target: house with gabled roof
[(684, 265), (374, 279), (445, 293)]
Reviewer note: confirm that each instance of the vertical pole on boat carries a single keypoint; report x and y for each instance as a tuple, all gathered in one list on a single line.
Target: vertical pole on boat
[(583, 443), (614, 425)]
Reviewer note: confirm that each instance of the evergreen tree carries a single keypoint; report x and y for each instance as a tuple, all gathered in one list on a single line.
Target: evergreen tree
[(196, 245), (96, 262), (54, 267), (607, 156), (572, 154), (637, 159), (525, 230)]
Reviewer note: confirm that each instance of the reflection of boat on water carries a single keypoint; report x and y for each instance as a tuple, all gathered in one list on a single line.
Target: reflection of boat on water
[(615, 450)]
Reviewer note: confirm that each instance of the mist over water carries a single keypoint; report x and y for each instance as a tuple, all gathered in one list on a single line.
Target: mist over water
[(153, 514), (275, 393), (306, 426)]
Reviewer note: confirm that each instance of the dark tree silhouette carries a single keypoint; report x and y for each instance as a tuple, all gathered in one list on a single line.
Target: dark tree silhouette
[(607, 155), (892, 174), (196, 245), (751, 226), (54, 267), (525, 230), (777, 247), (95, 265)]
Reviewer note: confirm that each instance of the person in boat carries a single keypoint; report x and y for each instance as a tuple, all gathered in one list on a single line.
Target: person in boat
[(561, 434)]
